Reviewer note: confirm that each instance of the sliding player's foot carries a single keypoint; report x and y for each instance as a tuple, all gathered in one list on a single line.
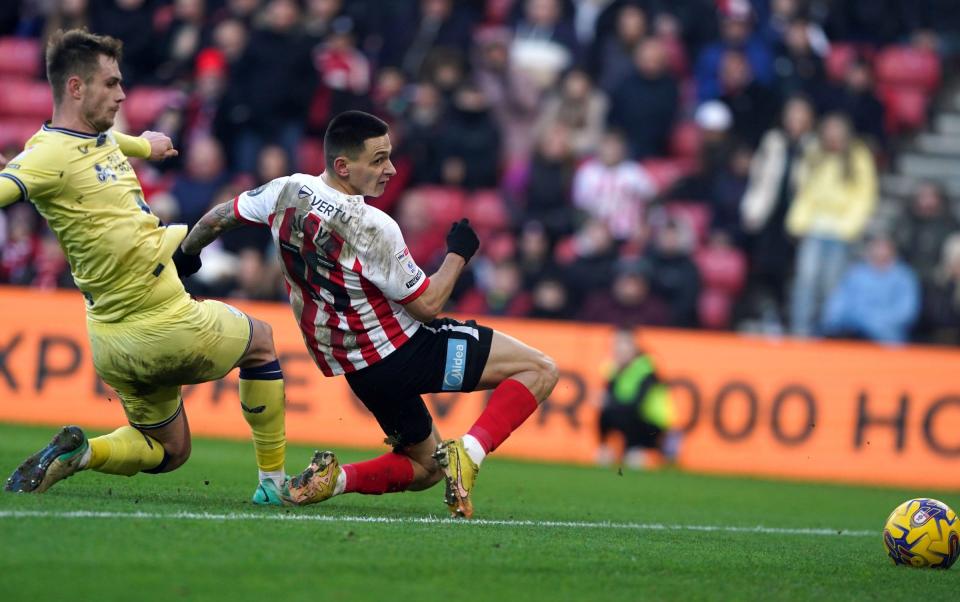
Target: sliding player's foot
[(460, 473), (268, 493), (318, 482), (60, 459)]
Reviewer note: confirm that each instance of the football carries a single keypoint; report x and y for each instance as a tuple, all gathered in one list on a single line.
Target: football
[(922, 533)]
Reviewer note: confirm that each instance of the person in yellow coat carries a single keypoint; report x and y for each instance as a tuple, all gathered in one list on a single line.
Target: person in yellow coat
[(835, 198)]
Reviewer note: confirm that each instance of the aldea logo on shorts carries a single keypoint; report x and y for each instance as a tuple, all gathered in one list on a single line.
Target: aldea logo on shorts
[(456, 361)]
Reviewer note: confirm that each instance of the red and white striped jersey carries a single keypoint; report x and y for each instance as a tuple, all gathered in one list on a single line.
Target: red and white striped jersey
[(348, 270)]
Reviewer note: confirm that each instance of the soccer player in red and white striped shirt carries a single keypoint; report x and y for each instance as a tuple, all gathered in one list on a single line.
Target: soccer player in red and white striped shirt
[(367, 311)]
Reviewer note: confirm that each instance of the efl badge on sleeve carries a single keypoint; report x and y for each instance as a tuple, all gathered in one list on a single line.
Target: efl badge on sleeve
[(406, 262)]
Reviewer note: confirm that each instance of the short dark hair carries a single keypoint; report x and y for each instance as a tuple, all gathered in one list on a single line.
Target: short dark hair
[(77, 52), (347, 132)]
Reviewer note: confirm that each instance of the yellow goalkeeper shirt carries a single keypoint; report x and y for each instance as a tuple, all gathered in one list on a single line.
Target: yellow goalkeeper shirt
[(87, 191)]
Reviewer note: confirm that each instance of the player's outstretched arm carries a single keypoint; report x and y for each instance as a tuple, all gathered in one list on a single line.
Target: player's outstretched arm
[(216, 221), (462, 243), (155, 146)]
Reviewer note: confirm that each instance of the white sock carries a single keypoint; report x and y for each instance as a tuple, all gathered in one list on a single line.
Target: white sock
[(85, 459), (474, 449), (277, 476), (341, 483)]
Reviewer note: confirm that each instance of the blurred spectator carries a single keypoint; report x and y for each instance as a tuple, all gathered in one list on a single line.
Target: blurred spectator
[(20, 246), (922, 232), (66, 14), (255, 278), (131, 22), (612, 58), (50, 267), (549, 182), (835, 197), (580, 108), (645, 104), (470, 142), (551, 299), (877, 299), (504, 295), (940, 321), (424, 133), (612, 188), (534, 257), (203, 104), (589, 256), (345, 72), (753, 106), (637, 410), (770, 190), (435, 24), (736, 34), (799, 66), (275, 109), (425, 239), (319, 17), (390, 99), (729, 186), (714, 122), (629, 301), (675, 277), (544, 42), (181, 40), (874, 22), (513, 96), (204, 175), (858, 100)]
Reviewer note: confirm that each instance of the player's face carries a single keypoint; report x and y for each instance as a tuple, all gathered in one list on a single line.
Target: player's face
[(372, 169), (102, 95)]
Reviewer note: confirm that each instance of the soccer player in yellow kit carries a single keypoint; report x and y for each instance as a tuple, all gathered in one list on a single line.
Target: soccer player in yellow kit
[(147, 335)]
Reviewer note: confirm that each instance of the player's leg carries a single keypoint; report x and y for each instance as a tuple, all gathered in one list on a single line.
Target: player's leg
[(409, 467), (521, 378), (262, 402), (158, 440)]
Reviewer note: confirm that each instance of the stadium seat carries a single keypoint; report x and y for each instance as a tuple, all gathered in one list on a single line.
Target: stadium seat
[(695, 215), (15, 131), (20, 57), (445, 204), (666, 172), (686, 140), (908, 66), (144, 104), (487, 211), (310, 156), (722, 269), (906, 108), (714, 308), (839, 59), (26, 98)]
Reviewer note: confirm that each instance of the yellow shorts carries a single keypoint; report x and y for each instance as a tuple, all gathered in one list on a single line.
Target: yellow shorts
[(148, 357)]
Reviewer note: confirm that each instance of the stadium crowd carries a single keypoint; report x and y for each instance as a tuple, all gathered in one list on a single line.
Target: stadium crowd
[(685, 163)]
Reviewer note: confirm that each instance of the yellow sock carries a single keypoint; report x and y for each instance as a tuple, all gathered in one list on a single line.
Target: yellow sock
[(125, 451), (262, 402)]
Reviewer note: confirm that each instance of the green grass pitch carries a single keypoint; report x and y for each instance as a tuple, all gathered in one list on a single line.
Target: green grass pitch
[(548, 532)]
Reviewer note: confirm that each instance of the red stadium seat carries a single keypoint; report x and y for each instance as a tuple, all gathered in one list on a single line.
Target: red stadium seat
[(686, 140), (446, 205), (144, 104), (26, 98), (15, 131), (666, 172), (310, 156), (714, 308), (722, 269), (20, 57), (487, 211), (906, 108), (839, 59), (695, 215), (908, 66)]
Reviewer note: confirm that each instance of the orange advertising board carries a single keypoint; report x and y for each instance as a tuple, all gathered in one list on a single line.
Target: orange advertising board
[(810, 410)]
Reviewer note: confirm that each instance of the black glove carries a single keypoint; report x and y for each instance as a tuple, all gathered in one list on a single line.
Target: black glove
[(187, 265), (462, 240)]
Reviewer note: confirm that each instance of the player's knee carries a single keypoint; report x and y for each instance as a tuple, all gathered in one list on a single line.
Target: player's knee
[(177, 455), (261, 350), (549, 373)]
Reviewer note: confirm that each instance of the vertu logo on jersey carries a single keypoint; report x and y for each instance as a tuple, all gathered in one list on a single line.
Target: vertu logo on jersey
[(456, 363), (104, 173)]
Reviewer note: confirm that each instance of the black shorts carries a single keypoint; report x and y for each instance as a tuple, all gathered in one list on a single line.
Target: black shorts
[(442, 356), (625, 419)]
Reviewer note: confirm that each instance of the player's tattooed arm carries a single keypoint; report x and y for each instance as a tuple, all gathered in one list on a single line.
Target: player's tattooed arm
[(218, 220)]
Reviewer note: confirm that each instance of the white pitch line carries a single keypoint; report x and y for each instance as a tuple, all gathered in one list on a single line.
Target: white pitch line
[(430, 520)]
